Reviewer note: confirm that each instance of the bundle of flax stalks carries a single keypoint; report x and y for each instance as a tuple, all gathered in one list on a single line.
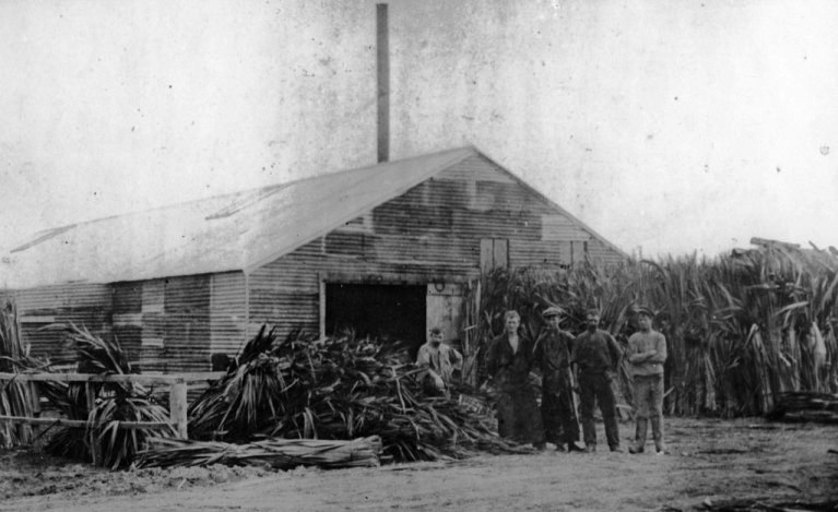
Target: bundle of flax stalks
[(337, 389), (276, 453), (804, 407)]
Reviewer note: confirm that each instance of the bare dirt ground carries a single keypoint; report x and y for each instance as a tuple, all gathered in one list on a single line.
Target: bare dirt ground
[(710, 461)]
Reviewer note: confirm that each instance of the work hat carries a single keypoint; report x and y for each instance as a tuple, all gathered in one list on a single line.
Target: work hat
[(552, 311), (643, 310)]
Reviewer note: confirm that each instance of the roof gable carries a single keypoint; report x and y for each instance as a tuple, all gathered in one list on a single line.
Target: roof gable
[(553, 205)]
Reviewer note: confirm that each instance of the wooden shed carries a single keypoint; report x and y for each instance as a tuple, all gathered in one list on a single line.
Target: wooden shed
[(384, 249)]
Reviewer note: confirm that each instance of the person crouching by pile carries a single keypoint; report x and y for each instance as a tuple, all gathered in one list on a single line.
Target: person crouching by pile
[(509, 362), (441, 360), (646, 354), (552, 356)]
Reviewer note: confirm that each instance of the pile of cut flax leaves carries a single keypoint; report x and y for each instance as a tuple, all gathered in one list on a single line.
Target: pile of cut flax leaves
[(331, 389)]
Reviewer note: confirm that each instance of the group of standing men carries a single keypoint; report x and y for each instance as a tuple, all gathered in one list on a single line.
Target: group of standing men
[(590, 359)]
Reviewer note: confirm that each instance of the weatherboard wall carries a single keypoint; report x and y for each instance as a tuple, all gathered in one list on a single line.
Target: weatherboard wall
[(164, 324), (187, 322), (228, 312), (433, 233), (85, 305)]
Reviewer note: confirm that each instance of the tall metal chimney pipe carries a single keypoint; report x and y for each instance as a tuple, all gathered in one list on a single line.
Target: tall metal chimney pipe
[(383, 80)]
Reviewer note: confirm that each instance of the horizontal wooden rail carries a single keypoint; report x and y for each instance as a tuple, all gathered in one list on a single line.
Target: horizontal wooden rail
[(138, 378), (64, 422), (177, 396)]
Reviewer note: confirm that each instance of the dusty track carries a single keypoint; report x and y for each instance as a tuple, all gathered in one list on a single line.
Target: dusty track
[(713, 460)]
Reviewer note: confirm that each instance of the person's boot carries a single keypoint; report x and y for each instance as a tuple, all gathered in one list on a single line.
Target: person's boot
[(657, 434), (639, 436), (573, 446)]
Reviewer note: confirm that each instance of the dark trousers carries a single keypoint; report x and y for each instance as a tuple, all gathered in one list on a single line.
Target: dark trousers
[(559, 416), (595, 389), (518, 417)]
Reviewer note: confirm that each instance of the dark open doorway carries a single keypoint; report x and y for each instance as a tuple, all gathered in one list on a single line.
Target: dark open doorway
[(394, 313)]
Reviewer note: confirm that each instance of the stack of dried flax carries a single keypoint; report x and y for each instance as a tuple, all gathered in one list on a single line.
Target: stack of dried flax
[(337, 389), (276, 453)]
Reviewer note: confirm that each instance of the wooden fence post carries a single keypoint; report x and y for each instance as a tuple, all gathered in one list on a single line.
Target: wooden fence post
[(35, 396), (92, 384), (90, 395), (177, 408)]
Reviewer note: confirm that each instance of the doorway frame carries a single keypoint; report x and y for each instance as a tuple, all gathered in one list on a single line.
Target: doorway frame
[(382, 278)]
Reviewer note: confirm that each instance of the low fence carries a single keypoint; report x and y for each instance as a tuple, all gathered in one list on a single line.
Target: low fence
[(177, 383)]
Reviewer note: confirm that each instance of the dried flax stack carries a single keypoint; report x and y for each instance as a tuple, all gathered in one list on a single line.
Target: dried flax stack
[(337, 389), (276, 453)]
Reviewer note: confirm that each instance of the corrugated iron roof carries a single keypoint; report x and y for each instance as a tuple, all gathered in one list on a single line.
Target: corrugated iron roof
[(239, 231)]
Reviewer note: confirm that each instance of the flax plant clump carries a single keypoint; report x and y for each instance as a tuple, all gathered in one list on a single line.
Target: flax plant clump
[(15, 396), (102, 441), (742, 329)]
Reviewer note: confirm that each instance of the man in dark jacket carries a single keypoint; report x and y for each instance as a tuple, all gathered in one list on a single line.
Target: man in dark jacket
[(596, 356), (508, 362), (552, 356)]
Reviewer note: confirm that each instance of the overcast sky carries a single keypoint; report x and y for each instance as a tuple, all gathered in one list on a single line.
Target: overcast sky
[(673, 126)]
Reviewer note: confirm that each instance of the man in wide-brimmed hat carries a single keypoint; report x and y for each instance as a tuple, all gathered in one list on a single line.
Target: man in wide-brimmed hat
[(552, 356), (646, 354)]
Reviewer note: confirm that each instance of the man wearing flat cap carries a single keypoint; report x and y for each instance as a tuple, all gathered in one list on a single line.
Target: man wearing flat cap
[(646, 355), (552, 356)]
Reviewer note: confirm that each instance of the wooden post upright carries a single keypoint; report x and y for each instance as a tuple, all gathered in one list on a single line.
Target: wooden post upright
[(90, 395), (35, 396), (177, 408)]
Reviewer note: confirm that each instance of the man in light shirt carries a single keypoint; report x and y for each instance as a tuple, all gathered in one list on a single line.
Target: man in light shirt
[(646, 355), (440, 359)]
